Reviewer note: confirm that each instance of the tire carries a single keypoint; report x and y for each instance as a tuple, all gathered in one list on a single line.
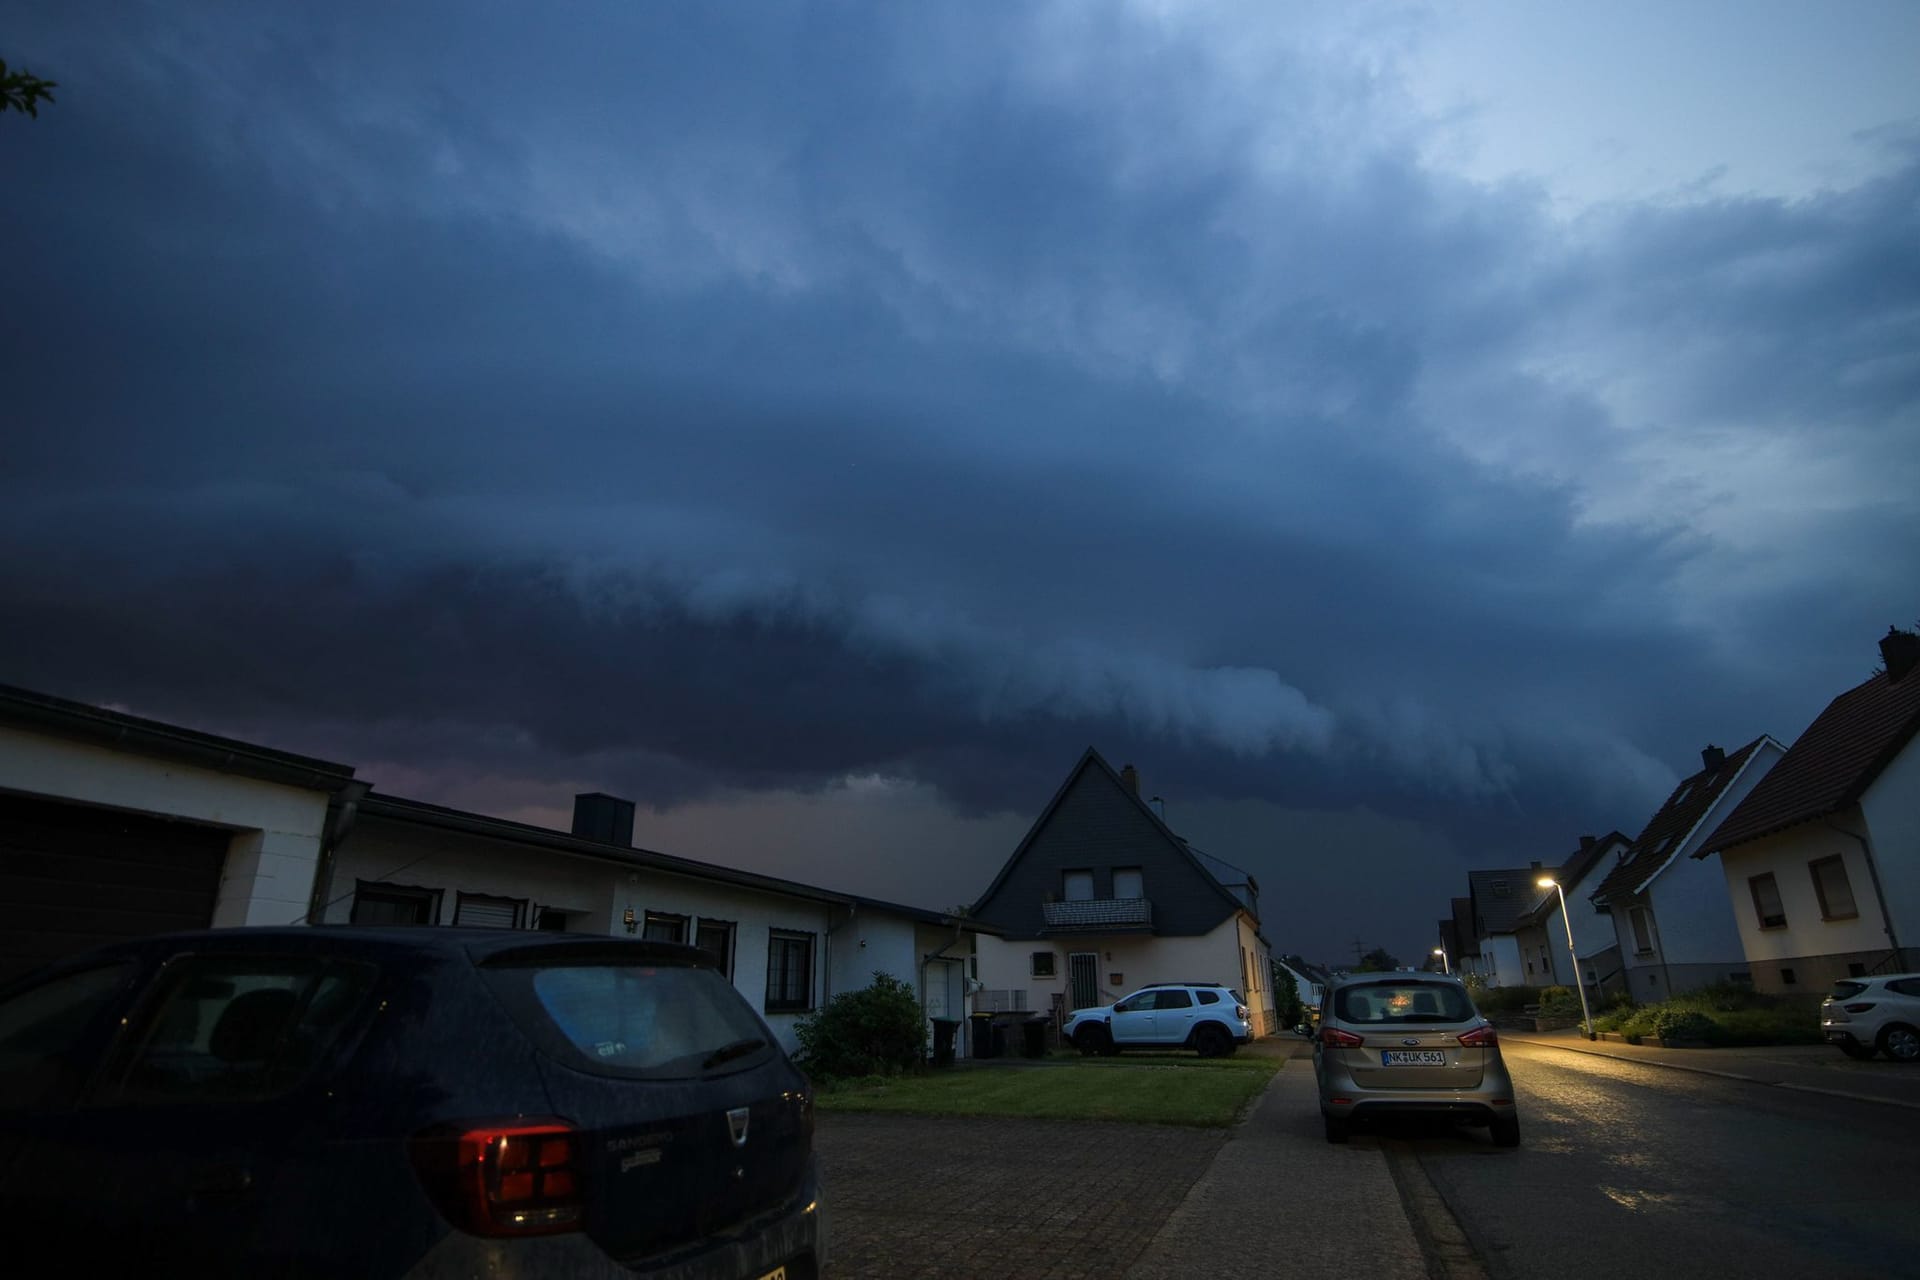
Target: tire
[(1212, 1042), (1505, 1131), (1900, 1042), (1087, 1041), (1339, 1128), (1855, 1050)]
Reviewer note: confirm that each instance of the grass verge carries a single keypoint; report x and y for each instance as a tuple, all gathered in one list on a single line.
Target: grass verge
[(1144, 1091)]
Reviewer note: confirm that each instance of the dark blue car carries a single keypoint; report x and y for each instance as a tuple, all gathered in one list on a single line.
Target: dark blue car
[(402, 1102)]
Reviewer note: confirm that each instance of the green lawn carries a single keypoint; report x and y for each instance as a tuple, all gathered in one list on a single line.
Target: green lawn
[(1151, 1090)]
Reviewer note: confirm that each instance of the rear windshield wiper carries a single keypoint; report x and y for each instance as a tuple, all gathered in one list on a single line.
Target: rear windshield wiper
[(728, 1052)]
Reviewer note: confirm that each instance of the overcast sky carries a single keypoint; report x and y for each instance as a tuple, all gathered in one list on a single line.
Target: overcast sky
[(1407, 434)]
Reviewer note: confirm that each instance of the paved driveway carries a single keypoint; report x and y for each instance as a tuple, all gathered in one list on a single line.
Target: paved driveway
[(964, 1197)]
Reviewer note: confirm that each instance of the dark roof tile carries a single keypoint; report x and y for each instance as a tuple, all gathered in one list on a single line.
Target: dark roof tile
[(1671, 823)]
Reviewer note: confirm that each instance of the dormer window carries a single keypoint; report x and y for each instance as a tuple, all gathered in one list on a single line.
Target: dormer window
[(1502, 889)]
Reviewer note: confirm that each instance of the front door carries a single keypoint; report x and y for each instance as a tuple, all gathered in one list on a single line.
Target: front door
[(1083, 978), (937, 989)]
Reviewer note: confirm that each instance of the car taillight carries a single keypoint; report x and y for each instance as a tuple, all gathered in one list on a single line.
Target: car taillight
[(1240, 1012), (1480, 1038), (1339, 1039), (1859, 1008), (518, 1178)]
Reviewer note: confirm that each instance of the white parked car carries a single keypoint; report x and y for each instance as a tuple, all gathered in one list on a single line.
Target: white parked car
[(1878, 1014), (1203, 1016)]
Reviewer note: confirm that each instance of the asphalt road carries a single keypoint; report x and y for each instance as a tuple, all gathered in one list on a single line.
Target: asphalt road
[(1628, 1169)]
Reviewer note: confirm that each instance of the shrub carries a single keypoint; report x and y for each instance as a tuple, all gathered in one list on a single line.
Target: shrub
[(1559, 1002), (1494, 1000), (877, 1031), (1684, 1024)]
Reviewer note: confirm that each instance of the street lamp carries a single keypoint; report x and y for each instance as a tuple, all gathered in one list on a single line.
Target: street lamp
[(1586, 1014), (1441, 951)]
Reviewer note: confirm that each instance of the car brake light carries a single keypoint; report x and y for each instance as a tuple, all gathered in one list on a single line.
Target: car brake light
[(518, 1178), (1480, 1038), (1338, 1039), (1859, 1008), (1240, 1012)]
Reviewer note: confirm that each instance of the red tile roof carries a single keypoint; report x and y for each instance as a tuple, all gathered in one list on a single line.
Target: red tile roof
[(1832, 764), (1670, 824)]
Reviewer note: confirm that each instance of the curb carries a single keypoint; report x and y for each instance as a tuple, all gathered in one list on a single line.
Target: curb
[(1725, 1075)]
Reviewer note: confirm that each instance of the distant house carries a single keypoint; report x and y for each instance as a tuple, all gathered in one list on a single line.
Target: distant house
[(1541, 930), (1463, 951), (1497, 901), (1310, 980), (1822, 858), (1669, 912), (1102, 897)]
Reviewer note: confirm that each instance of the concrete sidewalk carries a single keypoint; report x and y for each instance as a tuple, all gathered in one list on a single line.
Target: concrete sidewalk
[(1811, 1068), (1263, 1206)]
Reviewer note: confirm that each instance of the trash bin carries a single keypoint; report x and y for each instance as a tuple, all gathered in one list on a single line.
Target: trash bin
[(983, 1035), (1033, 1037), (943, 1033), (997, 1039)]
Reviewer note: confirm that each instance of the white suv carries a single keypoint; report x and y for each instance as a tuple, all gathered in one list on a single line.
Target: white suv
[(1868, 1014), (1204, 1016)]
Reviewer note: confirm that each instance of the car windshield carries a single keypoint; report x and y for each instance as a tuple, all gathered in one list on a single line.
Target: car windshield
[(1395, 1002), (660, 1020)]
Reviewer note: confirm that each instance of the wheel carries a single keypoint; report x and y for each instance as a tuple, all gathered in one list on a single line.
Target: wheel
[(1900, 1042), (1506, 1131), (1854, 1049), (1087, 1041), (1212, 1041), (1338, 1128)]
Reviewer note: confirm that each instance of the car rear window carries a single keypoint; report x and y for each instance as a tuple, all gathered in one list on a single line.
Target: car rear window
[(237, 1028), (661, 1021), (1846, 990), (1394, 1002)]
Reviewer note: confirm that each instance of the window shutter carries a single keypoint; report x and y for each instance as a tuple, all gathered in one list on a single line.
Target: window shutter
[(488, 913)]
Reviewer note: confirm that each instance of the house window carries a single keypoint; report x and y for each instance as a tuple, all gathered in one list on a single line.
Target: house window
[(1642, 930), (1127, 883), (661, 927), (789, 972), (715, 937), (1042, 964), (1529, 966), (484, 911), (1834, 889), (394, 904), (1766, 901), (1857, 970), (1077, 886), (550, 919), (1501, 888), (1788, 978)]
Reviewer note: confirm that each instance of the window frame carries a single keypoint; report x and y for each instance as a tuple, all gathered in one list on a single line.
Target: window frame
[(461, 897), (780, 941), (433, 898), (676, 918), (1034, 970), (1839, 863), (1768, 923), (1066, 880), (725, 957), (1640, 925), (1140, 873)]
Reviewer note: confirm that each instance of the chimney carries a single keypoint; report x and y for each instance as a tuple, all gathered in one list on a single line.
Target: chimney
[(1130, 779), (1901, 651), (608, 819), (1712, 757), (1534, 866), (1586, 843)]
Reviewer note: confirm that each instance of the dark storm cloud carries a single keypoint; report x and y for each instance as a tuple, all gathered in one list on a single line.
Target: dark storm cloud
[(676, 402)]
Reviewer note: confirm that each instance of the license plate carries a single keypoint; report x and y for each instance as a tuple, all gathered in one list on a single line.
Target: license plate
[(778, 1273), (1413, 1058)]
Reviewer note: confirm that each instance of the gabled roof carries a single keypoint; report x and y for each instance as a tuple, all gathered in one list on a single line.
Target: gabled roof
[(1499, 914), (420, 813), (1311, 972), (1831, 765), (1091, 759), (1571, 873), (1677, 819)]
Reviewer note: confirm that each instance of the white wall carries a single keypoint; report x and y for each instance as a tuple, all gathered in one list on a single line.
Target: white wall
[(1503, 966), (1786, 854), (1695, 915), (1139, 959), (1891, 807), (268, 877)]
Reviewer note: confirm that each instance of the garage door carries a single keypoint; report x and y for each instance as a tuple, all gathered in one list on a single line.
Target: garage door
[(74, 877)]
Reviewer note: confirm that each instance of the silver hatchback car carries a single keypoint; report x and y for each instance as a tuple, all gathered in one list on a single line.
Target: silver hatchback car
[(1409, 1043)]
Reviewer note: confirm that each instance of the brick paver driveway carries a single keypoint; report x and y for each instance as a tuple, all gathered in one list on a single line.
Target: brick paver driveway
[(951, 1196)]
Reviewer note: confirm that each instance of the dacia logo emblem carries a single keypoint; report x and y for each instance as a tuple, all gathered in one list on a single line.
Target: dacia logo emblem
[(737, 1125), (1409, 1042)]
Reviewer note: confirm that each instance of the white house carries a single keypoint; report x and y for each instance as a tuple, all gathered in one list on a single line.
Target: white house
[(1309, 980), (1541, 931), (1822, 859), (1102, 898), (1669, 911), (113, 826)]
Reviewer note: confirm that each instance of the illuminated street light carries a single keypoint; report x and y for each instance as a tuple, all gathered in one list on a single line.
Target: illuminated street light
[(1586, 1014), (1441, 951)]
